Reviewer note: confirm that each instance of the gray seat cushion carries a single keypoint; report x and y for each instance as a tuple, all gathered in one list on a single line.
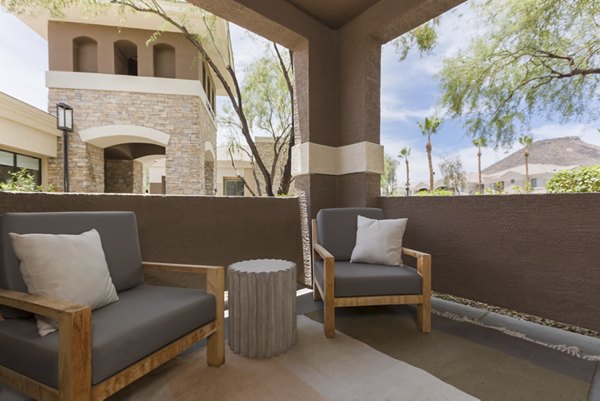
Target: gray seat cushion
[(336, 229), (118, 232), (361, 279), (144, 319)]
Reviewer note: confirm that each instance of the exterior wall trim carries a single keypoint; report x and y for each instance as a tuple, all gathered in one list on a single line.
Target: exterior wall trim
[(110, 135), (313, 158)]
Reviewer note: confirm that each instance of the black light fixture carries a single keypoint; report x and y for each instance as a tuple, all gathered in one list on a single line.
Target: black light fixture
[(64, 122)]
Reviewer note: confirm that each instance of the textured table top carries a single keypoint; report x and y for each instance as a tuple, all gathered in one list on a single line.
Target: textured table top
[(261, 266)]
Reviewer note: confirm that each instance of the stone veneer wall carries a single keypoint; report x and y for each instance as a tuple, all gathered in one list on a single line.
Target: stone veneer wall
[(124, 176), (184, 118), (86, 166), (209, 177)]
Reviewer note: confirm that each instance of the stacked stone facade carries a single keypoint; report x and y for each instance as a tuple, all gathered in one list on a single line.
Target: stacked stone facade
[(184, 118), (124, 176), (209, 177)]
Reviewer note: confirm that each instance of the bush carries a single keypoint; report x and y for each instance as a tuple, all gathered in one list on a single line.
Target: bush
[(583, 179), (21, 181), (437, 192)]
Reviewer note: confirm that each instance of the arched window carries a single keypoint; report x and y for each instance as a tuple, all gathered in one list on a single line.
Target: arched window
[(125, 58), (85, 54), (164, 60)]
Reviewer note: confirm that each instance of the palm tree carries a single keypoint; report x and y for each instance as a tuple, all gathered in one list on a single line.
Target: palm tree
[(526, 140), (480, 142), (405, 152), (428, 128)]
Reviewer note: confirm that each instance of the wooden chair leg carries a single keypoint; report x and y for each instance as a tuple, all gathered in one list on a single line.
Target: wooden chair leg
[(329, 319), (424, 316), (216, 348)]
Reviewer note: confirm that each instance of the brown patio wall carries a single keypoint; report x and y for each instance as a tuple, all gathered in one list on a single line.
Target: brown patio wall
[(190, 229), (538, 254)]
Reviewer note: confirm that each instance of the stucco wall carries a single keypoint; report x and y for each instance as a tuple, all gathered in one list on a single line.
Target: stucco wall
[(190, 229), (538, 254), (60, 41)]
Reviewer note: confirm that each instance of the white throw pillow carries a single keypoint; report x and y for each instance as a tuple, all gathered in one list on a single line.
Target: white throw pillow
[(379, 241), (69, 267)]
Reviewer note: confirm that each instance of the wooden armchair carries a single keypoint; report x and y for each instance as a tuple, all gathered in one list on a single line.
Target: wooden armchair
[(95, 354), (340, 283)]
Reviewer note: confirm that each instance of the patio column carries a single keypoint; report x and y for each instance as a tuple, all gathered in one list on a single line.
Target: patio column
[(338, 159)]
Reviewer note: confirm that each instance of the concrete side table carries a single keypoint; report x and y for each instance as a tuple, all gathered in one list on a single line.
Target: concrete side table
[(262, 307)]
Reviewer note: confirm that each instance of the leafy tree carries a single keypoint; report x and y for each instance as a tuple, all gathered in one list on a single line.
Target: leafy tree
[(268, 109), (405, 152), (583, 179), (454, 173), (423, 38), (388, 178), (536, 56), (428, 128), (526, 141), (21, 181), (154, 7), (480, 142)]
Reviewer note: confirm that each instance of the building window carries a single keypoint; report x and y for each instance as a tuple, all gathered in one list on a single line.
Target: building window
[(209, 86), (499, 186), (126, 62), (534, 182), (12, 162), (512, 180), (85, 54), (233, 187), (164, 60)]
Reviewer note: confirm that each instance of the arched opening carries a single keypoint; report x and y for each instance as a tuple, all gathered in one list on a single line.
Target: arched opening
[(126, 62), (164, 60), (85, 54), (126, 167), (209, 170)]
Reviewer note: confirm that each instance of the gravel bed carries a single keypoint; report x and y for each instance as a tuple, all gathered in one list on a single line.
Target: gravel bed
[(518, 315)]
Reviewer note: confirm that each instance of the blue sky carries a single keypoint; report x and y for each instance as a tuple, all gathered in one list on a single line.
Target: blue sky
[(409, 90)]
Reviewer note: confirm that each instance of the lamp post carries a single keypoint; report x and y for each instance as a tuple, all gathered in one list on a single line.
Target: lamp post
[(64, 122)]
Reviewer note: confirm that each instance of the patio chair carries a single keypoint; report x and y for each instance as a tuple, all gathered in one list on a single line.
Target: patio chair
[(341, 283), (96, 353)]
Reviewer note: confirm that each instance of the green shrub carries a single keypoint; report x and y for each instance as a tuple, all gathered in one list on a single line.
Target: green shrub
[(437, 192), (583, 179), (21, 181)]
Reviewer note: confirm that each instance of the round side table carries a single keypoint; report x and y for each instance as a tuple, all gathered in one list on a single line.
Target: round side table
[(262, 307)]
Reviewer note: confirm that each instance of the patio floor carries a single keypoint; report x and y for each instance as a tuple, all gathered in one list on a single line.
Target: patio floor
[(379, 355)]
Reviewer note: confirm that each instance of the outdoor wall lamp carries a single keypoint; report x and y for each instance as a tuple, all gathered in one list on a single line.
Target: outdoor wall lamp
[(64, 122)]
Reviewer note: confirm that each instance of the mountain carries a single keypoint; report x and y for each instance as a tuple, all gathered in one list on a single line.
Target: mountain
[(566, 151)]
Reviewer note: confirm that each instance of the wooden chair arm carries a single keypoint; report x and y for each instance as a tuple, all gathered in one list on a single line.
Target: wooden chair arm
[(324, 253), (40, 305), (423, 267), (74, 343), (215, 275), (413, 253)]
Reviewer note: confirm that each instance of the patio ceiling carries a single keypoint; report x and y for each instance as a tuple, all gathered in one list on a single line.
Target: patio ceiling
[(334, 13)]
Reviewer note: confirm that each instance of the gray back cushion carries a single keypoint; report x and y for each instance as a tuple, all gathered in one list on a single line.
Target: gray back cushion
[(118, 232), (336, 229)]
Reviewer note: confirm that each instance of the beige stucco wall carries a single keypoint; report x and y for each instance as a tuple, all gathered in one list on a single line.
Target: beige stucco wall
[(27, 130), (60, 43)]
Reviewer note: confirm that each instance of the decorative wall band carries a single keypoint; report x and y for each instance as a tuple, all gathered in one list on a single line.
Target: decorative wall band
[(312, 158), (125, 83)]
